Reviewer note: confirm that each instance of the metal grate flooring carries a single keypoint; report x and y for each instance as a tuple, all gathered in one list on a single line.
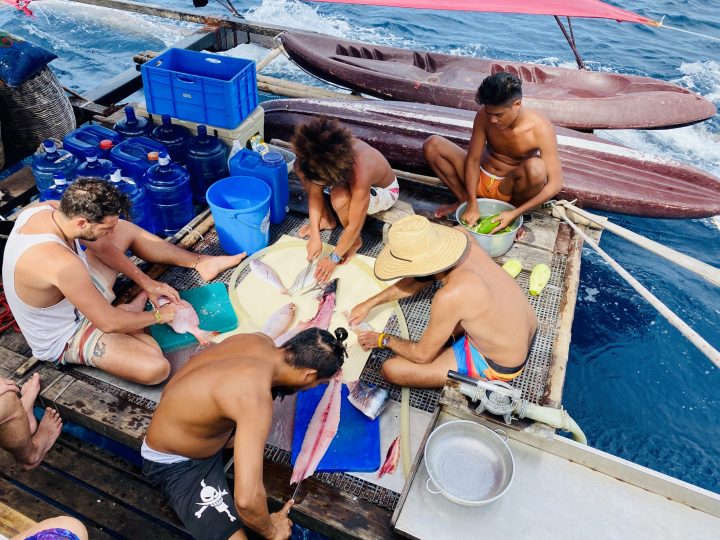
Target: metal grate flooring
[(417, 312)]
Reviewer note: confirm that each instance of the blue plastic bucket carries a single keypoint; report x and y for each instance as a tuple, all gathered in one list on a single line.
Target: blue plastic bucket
[(240, 206)]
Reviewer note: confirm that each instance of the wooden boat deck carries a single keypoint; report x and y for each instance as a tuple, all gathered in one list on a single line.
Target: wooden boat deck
[(75, 476)]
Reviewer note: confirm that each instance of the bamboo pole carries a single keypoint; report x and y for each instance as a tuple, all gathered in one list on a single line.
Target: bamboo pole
[(293, 89), (695, 338), (704, 270), (269, 58)]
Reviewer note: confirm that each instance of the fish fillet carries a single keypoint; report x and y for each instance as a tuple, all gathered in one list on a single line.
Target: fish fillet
[(320, 431), (391, 459)]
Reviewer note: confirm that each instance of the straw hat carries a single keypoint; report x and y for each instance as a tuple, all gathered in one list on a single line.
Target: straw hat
[(418, 248)]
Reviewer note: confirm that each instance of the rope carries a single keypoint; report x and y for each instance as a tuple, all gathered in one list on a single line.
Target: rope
[(661, 24), (704, 270), (695, 338)]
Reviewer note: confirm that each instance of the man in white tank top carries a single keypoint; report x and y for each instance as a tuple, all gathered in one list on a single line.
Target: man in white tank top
[(61, 296)]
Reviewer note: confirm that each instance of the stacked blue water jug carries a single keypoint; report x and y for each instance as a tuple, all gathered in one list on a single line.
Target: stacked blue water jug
[(162, 170)]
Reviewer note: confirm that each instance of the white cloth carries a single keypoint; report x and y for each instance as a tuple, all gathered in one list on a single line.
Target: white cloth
[(160, 457), (48, 329), (383, 198)]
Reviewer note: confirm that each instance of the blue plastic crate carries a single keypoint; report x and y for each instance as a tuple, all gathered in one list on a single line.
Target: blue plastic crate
[(202, 87)]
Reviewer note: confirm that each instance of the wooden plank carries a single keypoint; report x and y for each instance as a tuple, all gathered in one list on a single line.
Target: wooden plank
[(9, 362), (38, 509), (123, 489), (13, 522), (398, 211), (98, 508), (326, 509), (17, 189), (15, 342), (24, 369)]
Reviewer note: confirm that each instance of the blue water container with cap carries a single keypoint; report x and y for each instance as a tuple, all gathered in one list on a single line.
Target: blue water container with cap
[(206, 162), (55, 192), (140, 210), (94, 166), (132, 126), (81, 139), (174, 137), (272, 170), (51, 161), (168, 188), (131, 156)]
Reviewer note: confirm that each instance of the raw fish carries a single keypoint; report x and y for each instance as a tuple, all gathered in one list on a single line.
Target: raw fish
[(267, 274), (320, 431), (391, 459), (321, 318), (368, 398), (186, 321), (279, 321), (362, 326), (305, 279)]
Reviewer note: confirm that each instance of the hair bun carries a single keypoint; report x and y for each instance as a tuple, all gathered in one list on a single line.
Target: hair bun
[(341, 334)]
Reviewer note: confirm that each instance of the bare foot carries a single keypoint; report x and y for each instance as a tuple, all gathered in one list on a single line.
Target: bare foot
[(47, 433), (209, 267), (445, 210), (326, 224), (353, 250), (137, 304), (28, 393)]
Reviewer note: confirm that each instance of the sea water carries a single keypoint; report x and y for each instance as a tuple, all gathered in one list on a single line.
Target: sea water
[(636, 386)]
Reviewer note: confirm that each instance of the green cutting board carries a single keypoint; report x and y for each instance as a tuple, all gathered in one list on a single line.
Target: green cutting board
[(214, 310)]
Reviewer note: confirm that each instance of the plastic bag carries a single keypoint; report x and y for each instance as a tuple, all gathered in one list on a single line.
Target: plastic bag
[(20, 60)]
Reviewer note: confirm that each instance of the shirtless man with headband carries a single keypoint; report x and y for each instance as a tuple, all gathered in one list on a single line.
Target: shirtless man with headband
[(512, 156)]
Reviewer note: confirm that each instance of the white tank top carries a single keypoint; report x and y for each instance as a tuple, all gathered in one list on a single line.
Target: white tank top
[(46, 330)]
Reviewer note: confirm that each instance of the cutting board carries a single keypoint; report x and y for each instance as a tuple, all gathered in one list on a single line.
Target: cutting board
[(355, 448), (214, 310)]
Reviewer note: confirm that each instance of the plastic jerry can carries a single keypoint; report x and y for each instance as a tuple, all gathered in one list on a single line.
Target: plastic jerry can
[(271, 169), (83, 138), (131, 156)]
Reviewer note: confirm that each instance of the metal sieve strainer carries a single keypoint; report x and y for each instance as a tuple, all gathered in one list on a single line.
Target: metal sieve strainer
[(469, 463)]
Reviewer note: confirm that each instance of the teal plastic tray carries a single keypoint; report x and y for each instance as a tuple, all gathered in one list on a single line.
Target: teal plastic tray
[(214, 309)]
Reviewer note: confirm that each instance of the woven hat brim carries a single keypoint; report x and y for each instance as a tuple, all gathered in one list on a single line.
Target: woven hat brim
[(446, 252)]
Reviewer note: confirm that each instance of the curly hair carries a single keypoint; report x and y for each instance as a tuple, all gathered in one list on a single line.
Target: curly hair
[(94, 199), (324, 151), (499, 90)]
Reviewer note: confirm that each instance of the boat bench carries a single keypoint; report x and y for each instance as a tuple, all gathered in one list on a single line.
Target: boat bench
[(13, 522)]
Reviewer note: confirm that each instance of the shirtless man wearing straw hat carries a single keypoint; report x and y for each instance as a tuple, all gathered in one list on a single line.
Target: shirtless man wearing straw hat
[(479, 308)]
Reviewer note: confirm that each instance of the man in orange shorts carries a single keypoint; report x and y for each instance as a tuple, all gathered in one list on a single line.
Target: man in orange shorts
[(512, 155)]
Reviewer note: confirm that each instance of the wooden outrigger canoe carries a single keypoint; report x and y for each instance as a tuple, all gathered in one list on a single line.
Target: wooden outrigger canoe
[(572, 98)]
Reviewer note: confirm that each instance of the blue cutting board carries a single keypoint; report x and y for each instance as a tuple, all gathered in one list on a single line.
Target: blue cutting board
[(356, 446), (214, 310)]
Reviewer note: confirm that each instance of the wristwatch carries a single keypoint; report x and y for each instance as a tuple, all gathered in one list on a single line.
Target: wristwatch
[(335, 258)]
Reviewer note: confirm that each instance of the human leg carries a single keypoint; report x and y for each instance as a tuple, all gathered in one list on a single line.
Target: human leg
[(28, 449), (133, 357), (403, 372), (447, 160), (58, 528), (340, 198), (28, 393), (151, 248), (327, 220), (525, 181)]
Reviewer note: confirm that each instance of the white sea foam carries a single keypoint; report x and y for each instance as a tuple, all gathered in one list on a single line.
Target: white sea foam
[(94, 19), (299, 15)]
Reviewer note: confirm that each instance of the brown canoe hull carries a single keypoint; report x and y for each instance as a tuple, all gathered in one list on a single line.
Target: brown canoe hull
[(600, 174), (572, 98)]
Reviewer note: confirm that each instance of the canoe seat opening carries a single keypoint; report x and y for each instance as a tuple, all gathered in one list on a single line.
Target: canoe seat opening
[(424, 61), (524, 73)]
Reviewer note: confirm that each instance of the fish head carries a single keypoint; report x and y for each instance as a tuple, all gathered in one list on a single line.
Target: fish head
[(330, 287)]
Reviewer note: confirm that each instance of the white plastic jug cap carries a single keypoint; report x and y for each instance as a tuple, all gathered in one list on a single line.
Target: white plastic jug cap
[(163, 159), (116, 176)]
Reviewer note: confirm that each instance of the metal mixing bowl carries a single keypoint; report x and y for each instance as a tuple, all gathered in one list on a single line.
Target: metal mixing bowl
[(469, 463), (494, 244)]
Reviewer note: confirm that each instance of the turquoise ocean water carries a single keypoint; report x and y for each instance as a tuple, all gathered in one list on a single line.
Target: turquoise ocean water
[(634, 384)]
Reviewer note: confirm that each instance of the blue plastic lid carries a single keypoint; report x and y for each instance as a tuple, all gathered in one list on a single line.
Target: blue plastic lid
[(202, 130), (166, 120), (91, 153), (274, 159), (49, 145)]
